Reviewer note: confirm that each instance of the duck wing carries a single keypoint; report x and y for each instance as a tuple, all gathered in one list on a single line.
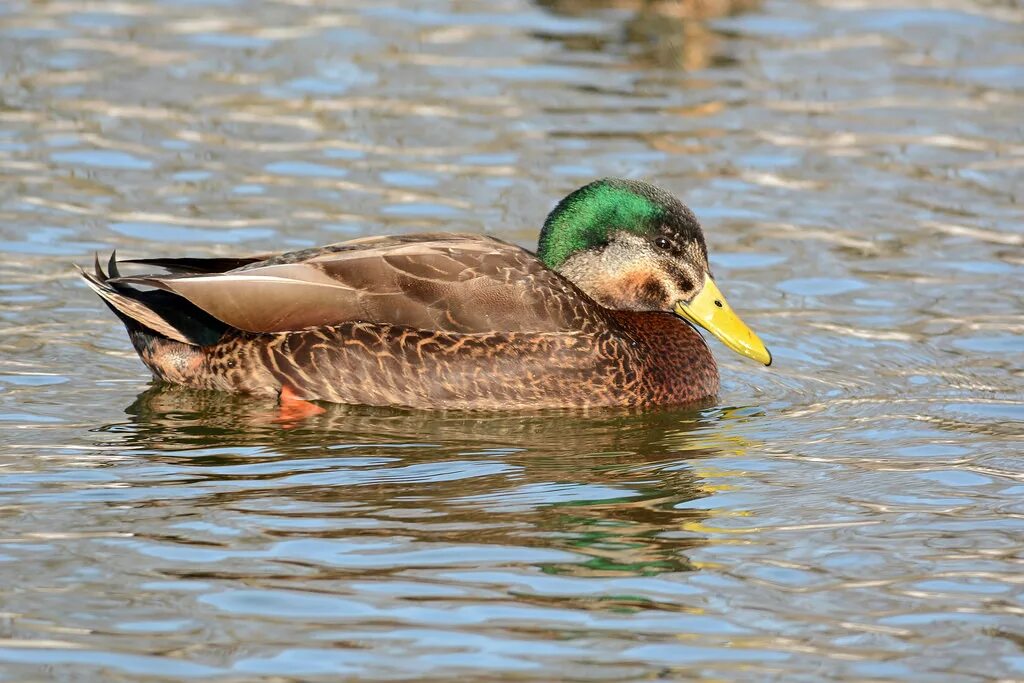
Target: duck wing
[(447, 282)]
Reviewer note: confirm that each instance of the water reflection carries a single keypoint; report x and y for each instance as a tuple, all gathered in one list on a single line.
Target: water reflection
[(603, 486), (671, 34)]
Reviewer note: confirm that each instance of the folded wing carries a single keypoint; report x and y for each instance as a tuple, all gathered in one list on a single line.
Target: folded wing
[(449, 282)]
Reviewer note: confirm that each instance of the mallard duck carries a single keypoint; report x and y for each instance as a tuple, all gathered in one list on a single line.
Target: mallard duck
[(600, 316)]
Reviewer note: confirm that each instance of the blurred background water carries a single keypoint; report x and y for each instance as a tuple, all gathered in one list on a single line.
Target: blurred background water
[(855, 511)]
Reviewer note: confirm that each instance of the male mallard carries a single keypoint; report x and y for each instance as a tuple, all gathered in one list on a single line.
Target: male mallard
[(600, 315)]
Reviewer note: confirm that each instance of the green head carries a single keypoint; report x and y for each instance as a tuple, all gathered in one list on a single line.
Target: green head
[(626, 243), (587, 218), (631, 246)]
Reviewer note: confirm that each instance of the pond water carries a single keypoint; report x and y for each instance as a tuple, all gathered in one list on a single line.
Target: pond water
[(854, 511)]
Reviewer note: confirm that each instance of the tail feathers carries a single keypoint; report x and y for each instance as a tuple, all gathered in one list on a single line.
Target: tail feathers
[(196, 265), (111, 265), (163, 313)]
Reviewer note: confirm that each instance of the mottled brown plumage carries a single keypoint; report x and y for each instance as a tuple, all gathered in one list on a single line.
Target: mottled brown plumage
[(425, 321)]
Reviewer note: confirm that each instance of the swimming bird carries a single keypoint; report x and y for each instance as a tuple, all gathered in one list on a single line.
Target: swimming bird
[(602, 314)]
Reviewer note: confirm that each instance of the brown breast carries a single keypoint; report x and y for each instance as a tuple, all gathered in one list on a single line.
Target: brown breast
[(677, 365)]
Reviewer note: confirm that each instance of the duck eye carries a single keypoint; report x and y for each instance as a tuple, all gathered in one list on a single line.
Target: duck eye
[(662, 243)]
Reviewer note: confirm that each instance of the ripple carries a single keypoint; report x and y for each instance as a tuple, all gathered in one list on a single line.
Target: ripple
[(820, 286), (305, 168), (835, 516), (162, 232), (103, 159)]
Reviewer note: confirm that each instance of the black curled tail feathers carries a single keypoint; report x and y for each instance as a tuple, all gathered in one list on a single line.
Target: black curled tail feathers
[(161, 313)]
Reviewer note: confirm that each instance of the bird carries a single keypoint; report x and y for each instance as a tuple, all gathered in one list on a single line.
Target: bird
[(604, 313)]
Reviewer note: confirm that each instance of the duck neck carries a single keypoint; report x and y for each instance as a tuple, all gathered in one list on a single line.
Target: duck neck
[(674, 356)]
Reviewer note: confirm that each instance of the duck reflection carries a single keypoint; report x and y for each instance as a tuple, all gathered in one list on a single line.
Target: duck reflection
[(661, 33), (602, 485)]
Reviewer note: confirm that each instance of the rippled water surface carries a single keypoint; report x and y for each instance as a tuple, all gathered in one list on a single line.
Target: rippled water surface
[(854, 511)]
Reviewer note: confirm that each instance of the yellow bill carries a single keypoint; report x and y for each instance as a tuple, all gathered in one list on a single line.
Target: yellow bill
[(710, 310)]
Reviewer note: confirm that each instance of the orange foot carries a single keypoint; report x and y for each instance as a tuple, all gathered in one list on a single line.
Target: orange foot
[(294, 409)]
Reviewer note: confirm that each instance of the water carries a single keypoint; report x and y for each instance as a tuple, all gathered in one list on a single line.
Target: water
[(855, 511)]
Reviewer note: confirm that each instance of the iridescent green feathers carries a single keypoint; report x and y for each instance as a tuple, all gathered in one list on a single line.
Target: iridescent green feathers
[(586, 218)]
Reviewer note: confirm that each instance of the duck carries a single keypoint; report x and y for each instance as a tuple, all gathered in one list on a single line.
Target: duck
[(604, 313)]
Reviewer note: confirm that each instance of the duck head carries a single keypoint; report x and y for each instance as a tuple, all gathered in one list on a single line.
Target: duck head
[(632, 246)]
